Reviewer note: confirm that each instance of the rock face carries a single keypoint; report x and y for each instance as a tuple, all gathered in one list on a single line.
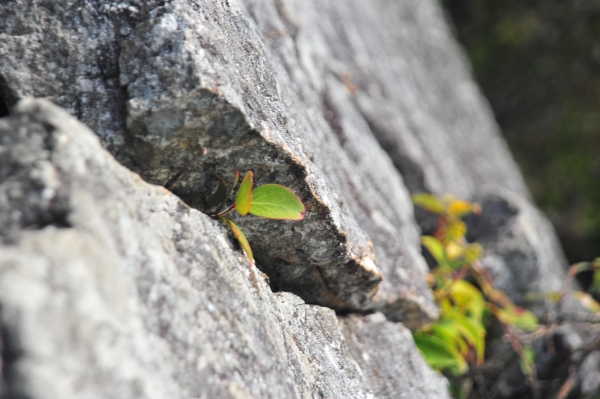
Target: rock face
[(205, 95), (141, 296), (139, 293)]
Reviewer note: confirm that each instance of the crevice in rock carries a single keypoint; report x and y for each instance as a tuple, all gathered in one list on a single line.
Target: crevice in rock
[(412, 174), (7, 98), (496, 217), (331, 116), (10, 353), (3, 108)]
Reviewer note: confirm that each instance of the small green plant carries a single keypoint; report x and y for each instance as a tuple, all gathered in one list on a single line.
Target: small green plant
[(271, 201), (465, 294)]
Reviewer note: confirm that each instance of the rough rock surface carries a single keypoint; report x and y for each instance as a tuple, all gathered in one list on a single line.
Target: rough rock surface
[(205, 94), (521, 253), (140, 296), (371, 340), (411, 86)]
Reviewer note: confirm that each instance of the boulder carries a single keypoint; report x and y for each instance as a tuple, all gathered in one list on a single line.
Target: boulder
[(188, 90), (112, 287)]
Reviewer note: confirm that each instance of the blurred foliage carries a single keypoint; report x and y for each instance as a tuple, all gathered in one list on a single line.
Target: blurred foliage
[(538, 63), (465, 294)]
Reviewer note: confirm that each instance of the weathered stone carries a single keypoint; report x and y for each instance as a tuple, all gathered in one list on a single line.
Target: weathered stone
[(522, 254), (212, 87), (113, 288), (250, 114), (412, 87), (387, 350)]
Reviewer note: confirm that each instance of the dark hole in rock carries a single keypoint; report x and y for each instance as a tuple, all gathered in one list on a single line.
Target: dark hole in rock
[(9, 355), (3, 108), (496, 217), (7, 98)]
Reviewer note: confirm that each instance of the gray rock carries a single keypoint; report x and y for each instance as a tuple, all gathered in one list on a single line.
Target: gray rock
[(412, 88), (521, 251), (207, 90), (113, 288), (395, 369)]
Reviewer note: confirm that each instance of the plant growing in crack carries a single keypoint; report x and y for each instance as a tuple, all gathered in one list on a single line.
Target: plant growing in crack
[(270, 201), (465, 293)]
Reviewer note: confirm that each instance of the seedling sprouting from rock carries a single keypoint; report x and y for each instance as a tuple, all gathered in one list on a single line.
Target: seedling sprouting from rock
[(271, 201)]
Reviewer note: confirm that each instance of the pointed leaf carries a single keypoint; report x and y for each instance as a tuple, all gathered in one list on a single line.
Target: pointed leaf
[(429, 202), (237, 232), (219, 195), (438, 353), (273, 201), (527, 360), (515, 316), (243, 198), (447, 332), (436, 249), (473, 331)]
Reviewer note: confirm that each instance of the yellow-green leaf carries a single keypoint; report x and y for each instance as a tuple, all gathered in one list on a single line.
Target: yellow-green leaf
[(473, 252), (515, 316), (454, 230), (473, 331), (459, 208), (447, 331), (429, 202), (439, 354), (587, 301), (243, 198), (454, 251), (466, 296), (527, 360), (436, 249), (237, 232), (273, 201)]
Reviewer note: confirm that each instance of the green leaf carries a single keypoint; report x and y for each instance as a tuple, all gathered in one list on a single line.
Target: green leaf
[(219, 195), (516, 316), (243, 198), (436, 249), (454, 230), (438, 353), (446, 330), (273, 201), (595, 287), (527, 360), (429, 202), (466, 296), (241, 239), (473, 331), (473, 252)]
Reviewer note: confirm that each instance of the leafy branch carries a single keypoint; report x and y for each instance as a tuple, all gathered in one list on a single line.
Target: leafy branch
[(465, 294)]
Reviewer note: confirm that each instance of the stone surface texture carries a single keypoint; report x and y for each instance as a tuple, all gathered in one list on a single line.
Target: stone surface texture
[(201, 92), (140, 296), (112, 285)]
